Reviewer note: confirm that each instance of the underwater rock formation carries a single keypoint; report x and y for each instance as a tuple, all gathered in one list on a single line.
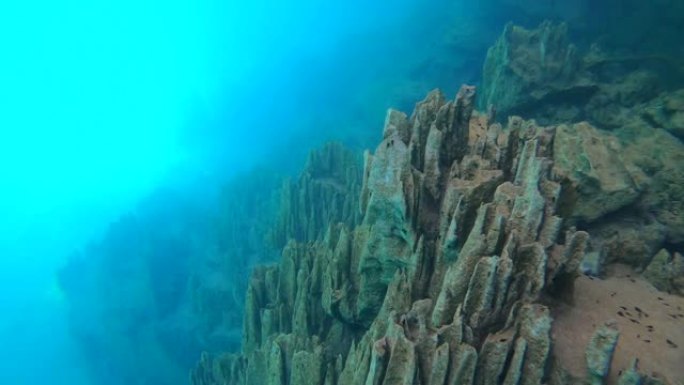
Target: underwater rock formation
[(447, 279)]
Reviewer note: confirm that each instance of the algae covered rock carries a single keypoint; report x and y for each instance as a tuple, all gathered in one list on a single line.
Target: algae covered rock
[(599, 353)]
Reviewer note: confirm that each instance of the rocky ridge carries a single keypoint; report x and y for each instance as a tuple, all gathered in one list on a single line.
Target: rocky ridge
[(467, 238)]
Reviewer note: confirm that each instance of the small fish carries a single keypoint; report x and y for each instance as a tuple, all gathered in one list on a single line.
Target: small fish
[(621, 314), (672, 344)]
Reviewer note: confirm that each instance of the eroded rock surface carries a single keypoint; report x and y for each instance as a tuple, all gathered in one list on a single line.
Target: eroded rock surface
[(447, 278)]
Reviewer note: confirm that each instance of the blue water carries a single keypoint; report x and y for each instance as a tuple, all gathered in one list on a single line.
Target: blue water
[(104, 104)]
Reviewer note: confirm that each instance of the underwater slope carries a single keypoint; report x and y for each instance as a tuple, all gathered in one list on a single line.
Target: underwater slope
[(464, 251)]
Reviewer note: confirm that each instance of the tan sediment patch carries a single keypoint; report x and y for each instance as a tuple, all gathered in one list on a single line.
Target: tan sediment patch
[(640, 305)]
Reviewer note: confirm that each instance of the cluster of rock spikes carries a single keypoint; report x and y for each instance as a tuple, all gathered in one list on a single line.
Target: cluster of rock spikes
[(447, 279)]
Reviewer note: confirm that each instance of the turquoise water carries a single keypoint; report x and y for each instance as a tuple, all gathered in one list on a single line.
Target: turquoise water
[(130, 132)]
